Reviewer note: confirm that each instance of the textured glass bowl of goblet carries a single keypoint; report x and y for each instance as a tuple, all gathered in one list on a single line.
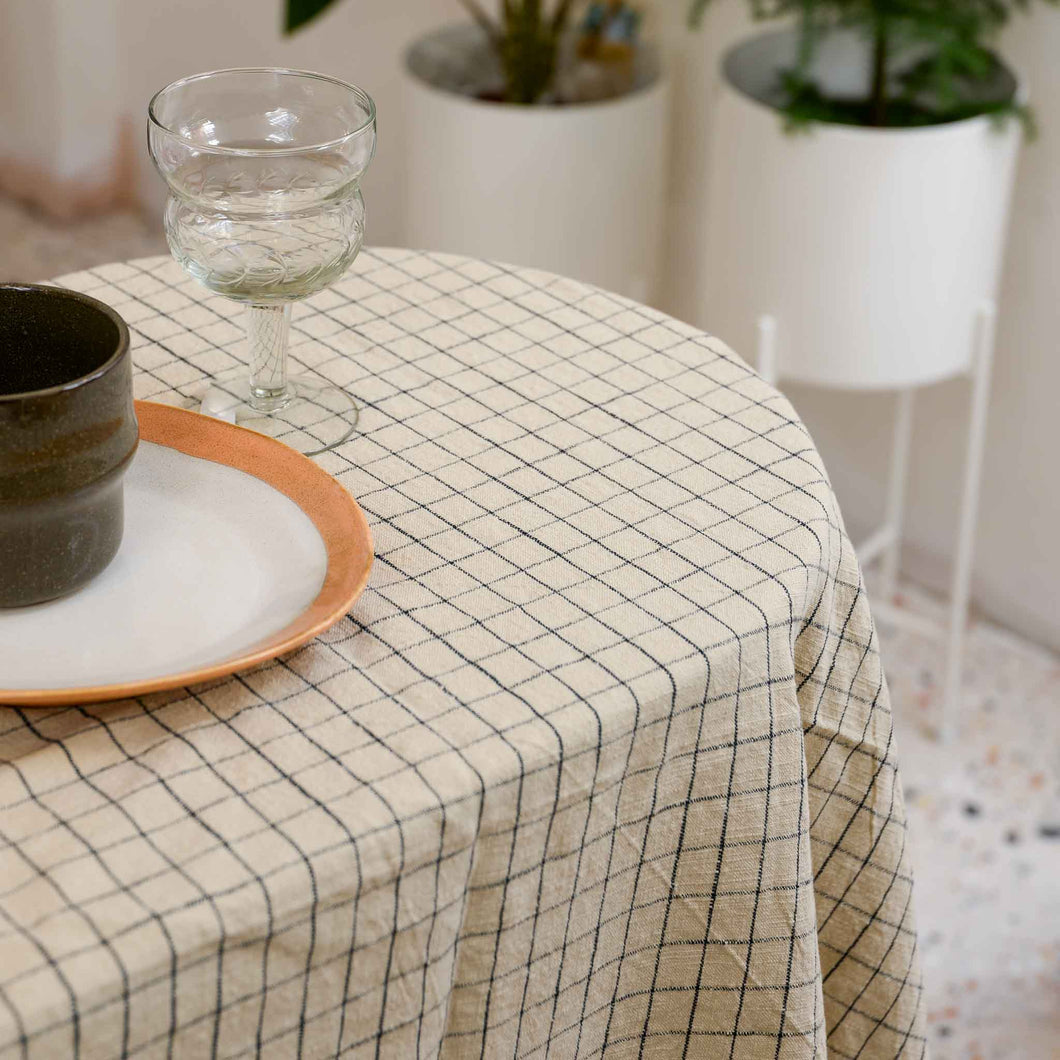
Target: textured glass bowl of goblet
[(263, 167)]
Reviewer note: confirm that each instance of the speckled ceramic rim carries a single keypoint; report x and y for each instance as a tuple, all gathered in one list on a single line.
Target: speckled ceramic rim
[(336, 515), (120, 348)]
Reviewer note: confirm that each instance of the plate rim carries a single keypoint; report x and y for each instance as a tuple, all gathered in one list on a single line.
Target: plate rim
[(338, 519)]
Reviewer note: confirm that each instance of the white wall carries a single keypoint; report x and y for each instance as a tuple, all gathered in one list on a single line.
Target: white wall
[(1018, 573), (60, 86)]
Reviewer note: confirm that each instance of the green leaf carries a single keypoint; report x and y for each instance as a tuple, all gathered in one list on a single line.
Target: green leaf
[(299, 12), (695, 12), (932, 59)]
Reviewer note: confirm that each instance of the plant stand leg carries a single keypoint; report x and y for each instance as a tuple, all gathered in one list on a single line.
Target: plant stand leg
[(766, 360), (962, 572), (896, 490)]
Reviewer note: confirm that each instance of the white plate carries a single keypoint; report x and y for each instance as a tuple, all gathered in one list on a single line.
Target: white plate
[(219, 568)]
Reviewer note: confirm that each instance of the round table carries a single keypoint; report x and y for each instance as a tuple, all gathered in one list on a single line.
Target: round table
[(600, 765)]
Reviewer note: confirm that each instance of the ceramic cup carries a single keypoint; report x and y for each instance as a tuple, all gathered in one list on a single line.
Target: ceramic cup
[(67, 434)]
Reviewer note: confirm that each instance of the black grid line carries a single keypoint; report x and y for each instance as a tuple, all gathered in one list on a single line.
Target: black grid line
[(600, 765)]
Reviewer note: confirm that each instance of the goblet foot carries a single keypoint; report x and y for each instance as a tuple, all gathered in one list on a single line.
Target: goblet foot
[(310, 416)]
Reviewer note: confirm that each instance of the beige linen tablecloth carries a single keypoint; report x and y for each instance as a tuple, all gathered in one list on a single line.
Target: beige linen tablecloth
[(600, 765)]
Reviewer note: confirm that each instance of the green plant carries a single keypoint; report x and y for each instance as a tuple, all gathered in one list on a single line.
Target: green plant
[(931, 59), (525, 38)]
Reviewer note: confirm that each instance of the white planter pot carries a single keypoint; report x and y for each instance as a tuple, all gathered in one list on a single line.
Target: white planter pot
[(872, 249), (576, 189)]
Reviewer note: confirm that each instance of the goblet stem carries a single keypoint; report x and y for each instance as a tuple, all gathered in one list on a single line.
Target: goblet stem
[(267, 330)]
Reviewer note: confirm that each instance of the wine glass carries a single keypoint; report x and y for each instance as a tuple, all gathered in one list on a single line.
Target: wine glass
[(263, 167)]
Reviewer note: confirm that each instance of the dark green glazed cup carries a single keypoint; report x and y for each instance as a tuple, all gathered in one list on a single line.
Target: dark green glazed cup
[(67, 435)]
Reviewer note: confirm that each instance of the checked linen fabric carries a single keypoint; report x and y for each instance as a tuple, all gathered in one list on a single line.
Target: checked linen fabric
[(600, 765)]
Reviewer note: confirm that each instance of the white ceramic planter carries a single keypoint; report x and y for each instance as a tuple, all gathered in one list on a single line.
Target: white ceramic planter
[(577, 190), (872, 249)]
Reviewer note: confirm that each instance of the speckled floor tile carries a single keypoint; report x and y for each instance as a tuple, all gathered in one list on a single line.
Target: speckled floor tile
[(32, 248), (984, 816)]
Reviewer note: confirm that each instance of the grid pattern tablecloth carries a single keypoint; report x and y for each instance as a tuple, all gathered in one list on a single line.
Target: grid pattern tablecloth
[(600, 765)]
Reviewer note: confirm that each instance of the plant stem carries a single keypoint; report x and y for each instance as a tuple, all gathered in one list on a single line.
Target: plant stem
[(878, 109), (560, 16), (480, 16)]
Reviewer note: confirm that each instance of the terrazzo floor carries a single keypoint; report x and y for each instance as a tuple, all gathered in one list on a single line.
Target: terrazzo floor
[(984, 820), (33, 248), (984, 810)]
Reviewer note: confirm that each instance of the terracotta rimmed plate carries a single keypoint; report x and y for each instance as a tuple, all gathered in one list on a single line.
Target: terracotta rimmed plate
[(237, 549)]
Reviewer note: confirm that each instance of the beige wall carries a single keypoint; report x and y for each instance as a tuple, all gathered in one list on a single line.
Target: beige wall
[(27, 91), (1018, 564)]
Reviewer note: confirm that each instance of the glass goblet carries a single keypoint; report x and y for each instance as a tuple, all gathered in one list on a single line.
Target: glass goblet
[(263, 168)]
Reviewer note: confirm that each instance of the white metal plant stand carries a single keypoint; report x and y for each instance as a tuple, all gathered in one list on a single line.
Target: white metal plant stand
[(885, 543), (866, 260)]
